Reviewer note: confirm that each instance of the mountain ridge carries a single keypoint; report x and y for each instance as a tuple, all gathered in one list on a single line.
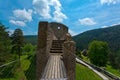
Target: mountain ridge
[(109, 35)]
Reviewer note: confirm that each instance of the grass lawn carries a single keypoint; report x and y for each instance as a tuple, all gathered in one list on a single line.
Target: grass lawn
[(107, 68), (112, 70), (84, 73), (26, 71)]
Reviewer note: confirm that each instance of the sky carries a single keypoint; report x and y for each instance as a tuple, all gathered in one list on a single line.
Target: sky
[(78, 15)]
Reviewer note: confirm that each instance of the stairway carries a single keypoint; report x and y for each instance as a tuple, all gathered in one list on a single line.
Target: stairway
[(57, 47)]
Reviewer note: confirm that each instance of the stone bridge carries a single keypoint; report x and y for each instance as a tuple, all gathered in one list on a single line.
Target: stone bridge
[(55, 58)]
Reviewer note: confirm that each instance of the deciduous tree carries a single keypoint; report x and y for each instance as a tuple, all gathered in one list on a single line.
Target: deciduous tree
[(98, 53)]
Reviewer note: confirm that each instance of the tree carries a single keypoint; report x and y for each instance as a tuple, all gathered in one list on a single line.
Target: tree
[(28, 49), (4, 44), (117, 60), (78, 53), (17, 41), (98, 53), (112, 59)]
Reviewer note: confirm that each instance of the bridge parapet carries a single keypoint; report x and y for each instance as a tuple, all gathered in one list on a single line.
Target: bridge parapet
[(68, 57)]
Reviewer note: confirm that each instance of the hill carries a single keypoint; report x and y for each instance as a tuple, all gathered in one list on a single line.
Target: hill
[(31, 39), (111, 35)]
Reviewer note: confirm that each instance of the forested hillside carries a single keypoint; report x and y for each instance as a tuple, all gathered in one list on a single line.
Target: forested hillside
[(111, 35), (31, 39)]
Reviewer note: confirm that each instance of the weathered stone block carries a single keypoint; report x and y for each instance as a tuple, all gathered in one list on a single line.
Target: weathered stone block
[(41, 56), (69, 59)]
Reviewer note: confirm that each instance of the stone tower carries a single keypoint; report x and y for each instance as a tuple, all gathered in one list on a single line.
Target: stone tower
[(48, 32)]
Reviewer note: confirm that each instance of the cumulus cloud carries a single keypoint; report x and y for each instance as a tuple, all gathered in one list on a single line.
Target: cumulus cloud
[(104, 26), (87, 21), (109, 1), (23, 15), (43, 8), (18, 23), (72, 32), (58, 15), (11, 32), (111, 25), (115, 24)]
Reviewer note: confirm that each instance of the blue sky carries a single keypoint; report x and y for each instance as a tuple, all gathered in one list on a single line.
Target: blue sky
[(78, 15)]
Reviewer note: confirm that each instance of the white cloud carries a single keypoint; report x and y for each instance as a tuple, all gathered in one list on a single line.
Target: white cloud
[(43, 8), (58, 15), (72, 32), (18, 23), (104, 26), (111, 25), (109, 1), (23, 15), (87, 21), (10, 31), (115, 24)]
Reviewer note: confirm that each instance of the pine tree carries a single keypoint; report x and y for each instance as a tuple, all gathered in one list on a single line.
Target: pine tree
[(17, 41), (4, 44)]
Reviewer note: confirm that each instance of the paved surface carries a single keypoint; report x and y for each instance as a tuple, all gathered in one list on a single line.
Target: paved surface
[(55, 69), (101, 75)]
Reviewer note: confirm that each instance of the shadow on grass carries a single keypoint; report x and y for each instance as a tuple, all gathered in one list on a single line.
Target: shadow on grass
[(30, 73), (8, 71)]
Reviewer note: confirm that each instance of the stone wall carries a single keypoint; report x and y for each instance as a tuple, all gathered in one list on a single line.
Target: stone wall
[(48, 32), (59, 30), (50, 38), (41, 56), (69, 57)]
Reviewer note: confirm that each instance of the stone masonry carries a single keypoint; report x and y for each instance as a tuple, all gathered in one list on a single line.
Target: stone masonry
[(69, 57), (47, 33)]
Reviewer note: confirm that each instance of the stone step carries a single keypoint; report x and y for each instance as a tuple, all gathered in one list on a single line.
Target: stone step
[(58, 40), (55, 51), (56, 46), (56, 54), (56, 43)]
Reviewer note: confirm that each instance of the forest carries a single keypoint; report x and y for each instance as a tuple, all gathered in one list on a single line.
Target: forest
[(101, 49), (17, 58)]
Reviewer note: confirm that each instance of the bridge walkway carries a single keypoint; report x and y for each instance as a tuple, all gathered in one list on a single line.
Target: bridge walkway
[(55, 69)]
